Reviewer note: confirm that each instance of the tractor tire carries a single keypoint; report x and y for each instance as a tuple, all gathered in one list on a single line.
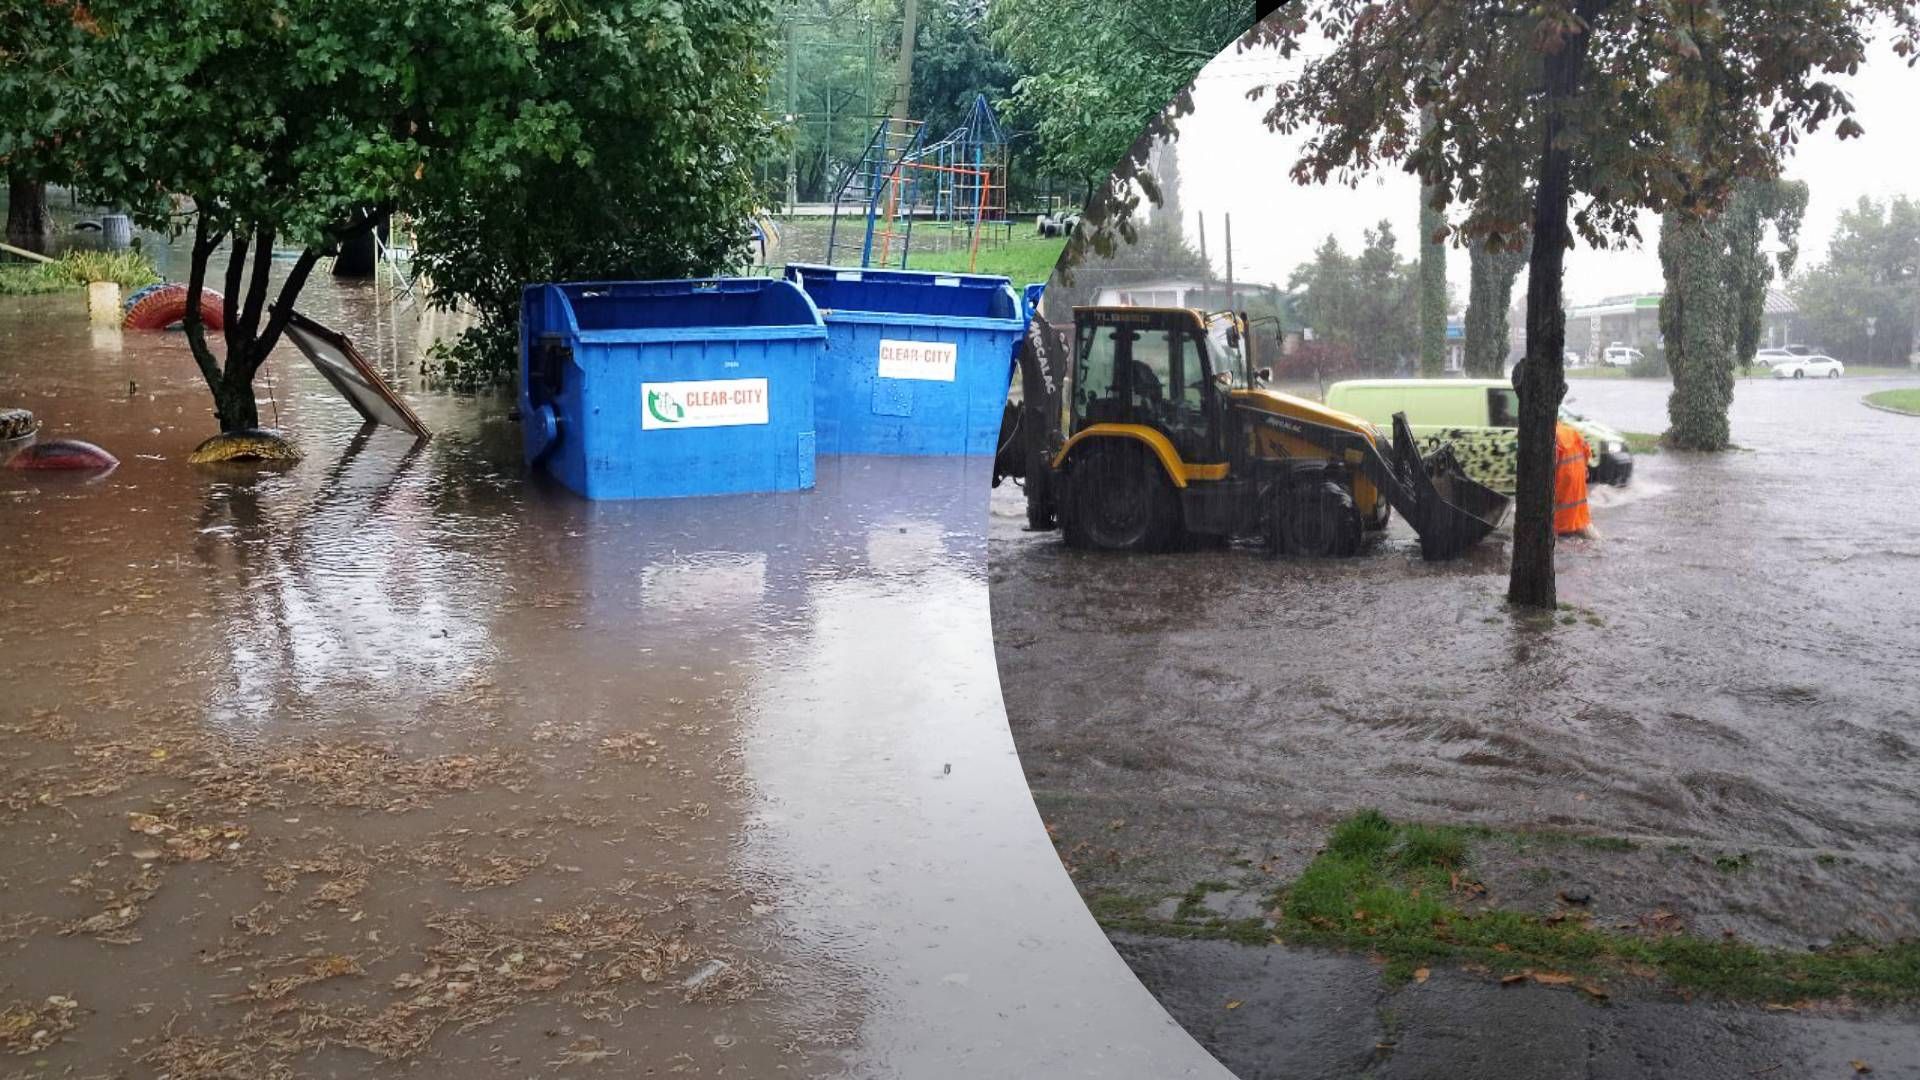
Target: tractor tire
[(1121, 501), (1315, 519), (161, 306)]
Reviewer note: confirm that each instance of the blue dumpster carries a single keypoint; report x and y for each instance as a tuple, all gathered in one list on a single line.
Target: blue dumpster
[(916, 363), (656, 389), (1032, 296)]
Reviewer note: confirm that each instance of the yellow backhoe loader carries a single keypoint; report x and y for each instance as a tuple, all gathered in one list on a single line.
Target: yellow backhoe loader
[(1165, 430)]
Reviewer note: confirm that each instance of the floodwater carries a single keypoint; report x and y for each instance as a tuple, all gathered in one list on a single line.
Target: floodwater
[(401, 756), (1734, 679)]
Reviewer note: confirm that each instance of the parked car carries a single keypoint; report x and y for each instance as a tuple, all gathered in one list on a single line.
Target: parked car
[(1480, 417), (1813, 366), (1618, 355)]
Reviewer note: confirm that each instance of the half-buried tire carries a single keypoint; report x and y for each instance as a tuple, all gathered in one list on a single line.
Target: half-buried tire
[(160, 306), (251, 444)]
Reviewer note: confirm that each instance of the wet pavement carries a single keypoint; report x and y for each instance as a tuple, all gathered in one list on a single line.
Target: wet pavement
[(400, 757), (1726, 701)]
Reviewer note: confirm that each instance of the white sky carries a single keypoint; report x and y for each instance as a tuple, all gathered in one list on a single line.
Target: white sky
[(1231, 164)]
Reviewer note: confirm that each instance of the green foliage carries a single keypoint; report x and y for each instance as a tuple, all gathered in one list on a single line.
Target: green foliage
[(1872, 271), (1714, 306), (620, 142), (955, 60), (1365, 304), (1100, 82), (834, 81), (128, 269), (1491, 274)]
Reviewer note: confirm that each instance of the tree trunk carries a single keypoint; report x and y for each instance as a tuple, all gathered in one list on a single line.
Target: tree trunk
[(1433, 280), (233, 400), (1489, 297), (29, 224), (358, 257), (1543, 380), (1698, 324)]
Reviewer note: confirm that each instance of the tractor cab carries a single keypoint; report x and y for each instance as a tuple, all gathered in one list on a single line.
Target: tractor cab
[(1155, 368)]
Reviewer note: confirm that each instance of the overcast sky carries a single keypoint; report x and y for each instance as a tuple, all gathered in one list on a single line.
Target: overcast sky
[(1230, 163)]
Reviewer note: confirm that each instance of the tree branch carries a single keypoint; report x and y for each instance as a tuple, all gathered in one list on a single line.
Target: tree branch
[(283, 308), (203, 245), (236, 263), (257, 290)]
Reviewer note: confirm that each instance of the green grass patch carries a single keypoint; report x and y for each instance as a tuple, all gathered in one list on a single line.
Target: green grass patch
[(1641, 442), (1024, 259), (1597, 373), (129, 269), (1902, 401), (1399, 891)]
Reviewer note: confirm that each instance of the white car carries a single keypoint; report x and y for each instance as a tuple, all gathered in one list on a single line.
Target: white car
[(1618, 355), (1813, 366)]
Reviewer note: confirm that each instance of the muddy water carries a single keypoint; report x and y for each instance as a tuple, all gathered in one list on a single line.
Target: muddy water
[(401, 756), (1736, 676)]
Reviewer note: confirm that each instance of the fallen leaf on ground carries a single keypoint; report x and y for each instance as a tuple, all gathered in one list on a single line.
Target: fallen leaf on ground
[(1233, 1004), (1860, 1066), (1552, 978), (1420, 974)]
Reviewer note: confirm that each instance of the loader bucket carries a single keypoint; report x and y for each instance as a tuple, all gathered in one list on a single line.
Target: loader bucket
[(1451, 511)]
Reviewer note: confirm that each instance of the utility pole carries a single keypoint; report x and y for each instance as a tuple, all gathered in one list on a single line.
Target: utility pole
[(1201, 215), (793, 120), (1231, 301), (909, 29)]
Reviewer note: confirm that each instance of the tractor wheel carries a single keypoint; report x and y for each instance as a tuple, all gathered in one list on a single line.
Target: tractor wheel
[(1315, 519), (1122, 501)]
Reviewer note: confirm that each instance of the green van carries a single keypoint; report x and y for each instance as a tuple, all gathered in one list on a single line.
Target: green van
[(1479, 417)]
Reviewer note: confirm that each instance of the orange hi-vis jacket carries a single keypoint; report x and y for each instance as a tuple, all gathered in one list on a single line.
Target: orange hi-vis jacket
[(1569, 481)]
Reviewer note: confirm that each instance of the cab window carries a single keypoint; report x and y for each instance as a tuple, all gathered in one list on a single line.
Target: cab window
[(1503, 407)]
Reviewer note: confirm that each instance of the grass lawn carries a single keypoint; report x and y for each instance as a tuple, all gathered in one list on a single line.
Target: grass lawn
[(1641, 442), (1597, 373), (1404, 892), (1905, 401), (1025, 259)]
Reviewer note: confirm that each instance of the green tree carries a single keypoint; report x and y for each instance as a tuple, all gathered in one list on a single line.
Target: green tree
[(954, 62), (1365, 303), (1613, 90), (1872, 271), (1100, 82), (1714, 306), (620, 143), (1491, 274), (1433, 276), (41, 103)]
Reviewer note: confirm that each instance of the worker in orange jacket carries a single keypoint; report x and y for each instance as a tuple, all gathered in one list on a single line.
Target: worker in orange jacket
[(1570, 517)]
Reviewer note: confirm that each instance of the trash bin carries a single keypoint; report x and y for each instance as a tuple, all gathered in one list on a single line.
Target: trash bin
[(659, 389), (1032, 297), (916, 363)]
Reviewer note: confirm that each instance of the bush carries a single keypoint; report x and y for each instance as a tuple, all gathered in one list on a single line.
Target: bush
[(1651, 365), (130, 269)]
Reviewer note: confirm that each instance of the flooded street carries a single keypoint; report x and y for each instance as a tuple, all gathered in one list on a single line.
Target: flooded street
[(401, 756), (1724, 707)]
